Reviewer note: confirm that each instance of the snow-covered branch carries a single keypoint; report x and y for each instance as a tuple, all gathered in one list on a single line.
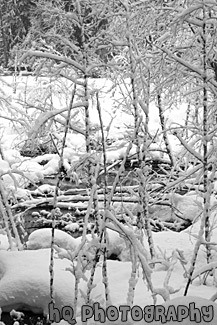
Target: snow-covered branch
[(189, 148), (51, 56)]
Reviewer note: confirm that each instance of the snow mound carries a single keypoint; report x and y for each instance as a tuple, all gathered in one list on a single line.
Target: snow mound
[(116, 245), (41, 238), (25, 281), (185, 207), (18, 193), (188, 206), (166, 242)]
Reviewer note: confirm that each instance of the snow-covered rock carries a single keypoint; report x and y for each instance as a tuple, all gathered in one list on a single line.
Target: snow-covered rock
[(45, 189), (41, 238), (28, 165)]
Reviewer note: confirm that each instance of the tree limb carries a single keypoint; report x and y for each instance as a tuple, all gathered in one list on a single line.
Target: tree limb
[(51, 56)]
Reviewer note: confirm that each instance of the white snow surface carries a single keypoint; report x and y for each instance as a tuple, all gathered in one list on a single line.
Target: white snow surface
[(25, 280), (25, 275), (41, 238)]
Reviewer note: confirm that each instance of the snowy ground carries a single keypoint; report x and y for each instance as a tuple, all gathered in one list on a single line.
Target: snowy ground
[(24, 275)]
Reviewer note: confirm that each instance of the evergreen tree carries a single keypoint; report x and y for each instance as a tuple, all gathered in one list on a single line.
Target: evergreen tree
[(14, 25)]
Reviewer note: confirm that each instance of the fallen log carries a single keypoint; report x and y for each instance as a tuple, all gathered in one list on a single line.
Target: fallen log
[(68, 198)]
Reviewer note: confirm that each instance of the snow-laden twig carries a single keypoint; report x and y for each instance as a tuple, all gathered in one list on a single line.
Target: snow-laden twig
[(138, 248), (55, 211), (51, 56), (185, 12), (122, 168), (102, 233), (204, 269), (188, 148), (45, 116), (133, 278), (163, 126)]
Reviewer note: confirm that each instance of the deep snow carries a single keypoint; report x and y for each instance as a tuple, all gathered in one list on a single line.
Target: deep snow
[(25, 275)]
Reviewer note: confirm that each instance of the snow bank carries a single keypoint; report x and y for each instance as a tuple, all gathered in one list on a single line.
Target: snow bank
[(25, 281), (25, 278), (41, 238)]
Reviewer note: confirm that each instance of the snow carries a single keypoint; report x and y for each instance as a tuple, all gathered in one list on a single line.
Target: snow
[(25, 280), (24, 275), (18, 193), (45, 189), (72, 226), (4, 166), (4, 245), (12, 156), (41, 238)]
